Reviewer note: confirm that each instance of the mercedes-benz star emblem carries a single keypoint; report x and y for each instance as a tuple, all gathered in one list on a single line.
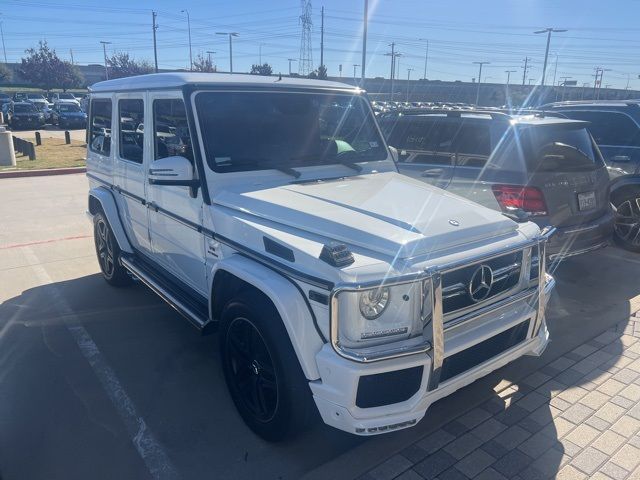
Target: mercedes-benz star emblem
[(480, 284)]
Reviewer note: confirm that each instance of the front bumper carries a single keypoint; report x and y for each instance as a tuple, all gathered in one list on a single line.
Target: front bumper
[(579, 239), (336, 393)]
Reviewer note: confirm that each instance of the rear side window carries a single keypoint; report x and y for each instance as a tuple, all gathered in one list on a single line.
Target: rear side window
[(131, 115), (442, 138), (609, 128), (171, 130), (100, 126)]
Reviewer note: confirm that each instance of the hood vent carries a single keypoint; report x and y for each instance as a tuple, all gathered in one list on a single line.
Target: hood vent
[(274, 248), (337, 255)]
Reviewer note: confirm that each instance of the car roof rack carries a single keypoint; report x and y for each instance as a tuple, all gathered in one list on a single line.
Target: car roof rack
[(457, 113)]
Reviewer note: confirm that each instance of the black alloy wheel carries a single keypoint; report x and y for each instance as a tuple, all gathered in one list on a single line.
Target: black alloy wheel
[(252, 369), (108, 253), (263, 374), (627, 223)]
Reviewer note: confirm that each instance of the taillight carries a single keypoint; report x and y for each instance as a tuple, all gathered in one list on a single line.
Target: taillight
[(528, 199)]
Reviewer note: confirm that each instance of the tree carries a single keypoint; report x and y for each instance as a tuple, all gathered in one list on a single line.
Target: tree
[(204, 64), (5, 73), (264, 69), (121, 65), (322, 72), (43, 68)]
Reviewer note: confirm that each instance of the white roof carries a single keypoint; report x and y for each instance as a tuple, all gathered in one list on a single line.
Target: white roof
[(180, 79)]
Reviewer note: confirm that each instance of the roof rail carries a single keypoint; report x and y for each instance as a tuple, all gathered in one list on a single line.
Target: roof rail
[(495, 115)]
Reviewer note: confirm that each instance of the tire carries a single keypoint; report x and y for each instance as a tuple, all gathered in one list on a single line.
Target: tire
[(108, 253), (261, 369), (627, 223)]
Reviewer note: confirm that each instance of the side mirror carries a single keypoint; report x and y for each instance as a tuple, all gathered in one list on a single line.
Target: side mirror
[(173, 171), (394, 153)]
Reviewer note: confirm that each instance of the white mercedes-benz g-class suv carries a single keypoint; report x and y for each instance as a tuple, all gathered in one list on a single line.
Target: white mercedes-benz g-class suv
[(270, 209)]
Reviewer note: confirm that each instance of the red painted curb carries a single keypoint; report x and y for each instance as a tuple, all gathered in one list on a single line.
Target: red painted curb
[(42, 173)]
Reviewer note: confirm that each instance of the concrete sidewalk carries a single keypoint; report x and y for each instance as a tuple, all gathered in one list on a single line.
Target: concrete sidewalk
[(577, 417)]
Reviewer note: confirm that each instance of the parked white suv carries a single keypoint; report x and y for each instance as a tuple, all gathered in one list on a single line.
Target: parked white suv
[(274, 212)]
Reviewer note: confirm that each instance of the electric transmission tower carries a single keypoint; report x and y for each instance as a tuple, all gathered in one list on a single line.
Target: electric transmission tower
[(305, 61)]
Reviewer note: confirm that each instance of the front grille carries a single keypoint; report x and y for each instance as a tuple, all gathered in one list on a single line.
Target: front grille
[(457, 292), (483, 351)]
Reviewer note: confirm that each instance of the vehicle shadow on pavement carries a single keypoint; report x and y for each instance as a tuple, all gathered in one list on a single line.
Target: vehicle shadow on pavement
[(55, 407), (538, 416)]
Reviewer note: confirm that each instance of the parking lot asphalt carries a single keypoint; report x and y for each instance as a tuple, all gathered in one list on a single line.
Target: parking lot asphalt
[(98, 382)]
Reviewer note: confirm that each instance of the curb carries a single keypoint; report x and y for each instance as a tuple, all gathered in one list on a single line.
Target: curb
[(42, 173)]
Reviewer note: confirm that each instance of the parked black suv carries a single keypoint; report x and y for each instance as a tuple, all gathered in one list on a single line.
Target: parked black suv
[(615, 126), (547, 169), (24, 115)]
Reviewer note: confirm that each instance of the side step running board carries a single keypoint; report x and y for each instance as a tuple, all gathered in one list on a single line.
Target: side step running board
[(196, 319)]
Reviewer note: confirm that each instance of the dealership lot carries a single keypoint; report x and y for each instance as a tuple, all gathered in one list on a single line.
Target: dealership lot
[(105, 383)]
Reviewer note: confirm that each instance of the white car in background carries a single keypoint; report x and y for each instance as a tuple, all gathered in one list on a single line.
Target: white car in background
[(334, 282)]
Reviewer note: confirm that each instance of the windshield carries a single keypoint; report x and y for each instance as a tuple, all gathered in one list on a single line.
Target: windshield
[(24, 108), (68, 108), (35, 96), (257, 131), (66, 96)]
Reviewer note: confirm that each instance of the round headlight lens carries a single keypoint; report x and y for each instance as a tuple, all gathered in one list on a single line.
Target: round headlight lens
[(374, 302)]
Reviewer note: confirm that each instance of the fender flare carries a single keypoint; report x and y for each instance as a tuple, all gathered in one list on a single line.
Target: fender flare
[(287, 300), (104, 197), (624, 180)]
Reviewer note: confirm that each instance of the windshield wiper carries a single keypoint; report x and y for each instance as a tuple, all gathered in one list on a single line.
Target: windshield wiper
[(289, 171), (574, 148), (266, 162)]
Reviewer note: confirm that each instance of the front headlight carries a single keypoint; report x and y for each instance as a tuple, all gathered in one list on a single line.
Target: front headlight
[(374, 302), (368, 321)]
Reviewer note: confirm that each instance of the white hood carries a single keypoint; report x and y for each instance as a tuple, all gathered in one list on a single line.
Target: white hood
[(387, 213)]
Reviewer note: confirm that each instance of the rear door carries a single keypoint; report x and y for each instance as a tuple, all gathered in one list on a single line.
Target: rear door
[(616, 133), (565, 164), (425, 146)]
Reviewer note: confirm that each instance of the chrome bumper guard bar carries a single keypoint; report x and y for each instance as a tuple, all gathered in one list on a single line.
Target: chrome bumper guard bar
[(433, 277)]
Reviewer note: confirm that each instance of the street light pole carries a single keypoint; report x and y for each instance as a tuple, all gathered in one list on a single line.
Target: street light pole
[(509, 72), (189, 28), (426, 56), (209, 52), (602, 70), (409, 70), (364, 40), (231, 35), (479, 79), (4, 50), (291, 60), (104, 50), (548, 31)]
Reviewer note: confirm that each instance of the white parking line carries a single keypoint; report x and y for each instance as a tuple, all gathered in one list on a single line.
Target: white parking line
[(148, 447)]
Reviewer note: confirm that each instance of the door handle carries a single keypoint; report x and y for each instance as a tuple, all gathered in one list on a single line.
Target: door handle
[(432, 173)]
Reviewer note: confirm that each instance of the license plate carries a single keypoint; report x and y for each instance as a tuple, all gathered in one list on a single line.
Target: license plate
[(587, 200)]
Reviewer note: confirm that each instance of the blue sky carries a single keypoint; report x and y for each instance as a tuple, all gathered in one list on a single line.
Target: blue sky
[(604, 34)]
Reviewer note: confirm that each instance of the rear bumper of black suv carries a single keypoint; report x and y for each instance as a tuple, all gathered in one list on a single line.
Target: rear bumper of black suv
[(578, 239)]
